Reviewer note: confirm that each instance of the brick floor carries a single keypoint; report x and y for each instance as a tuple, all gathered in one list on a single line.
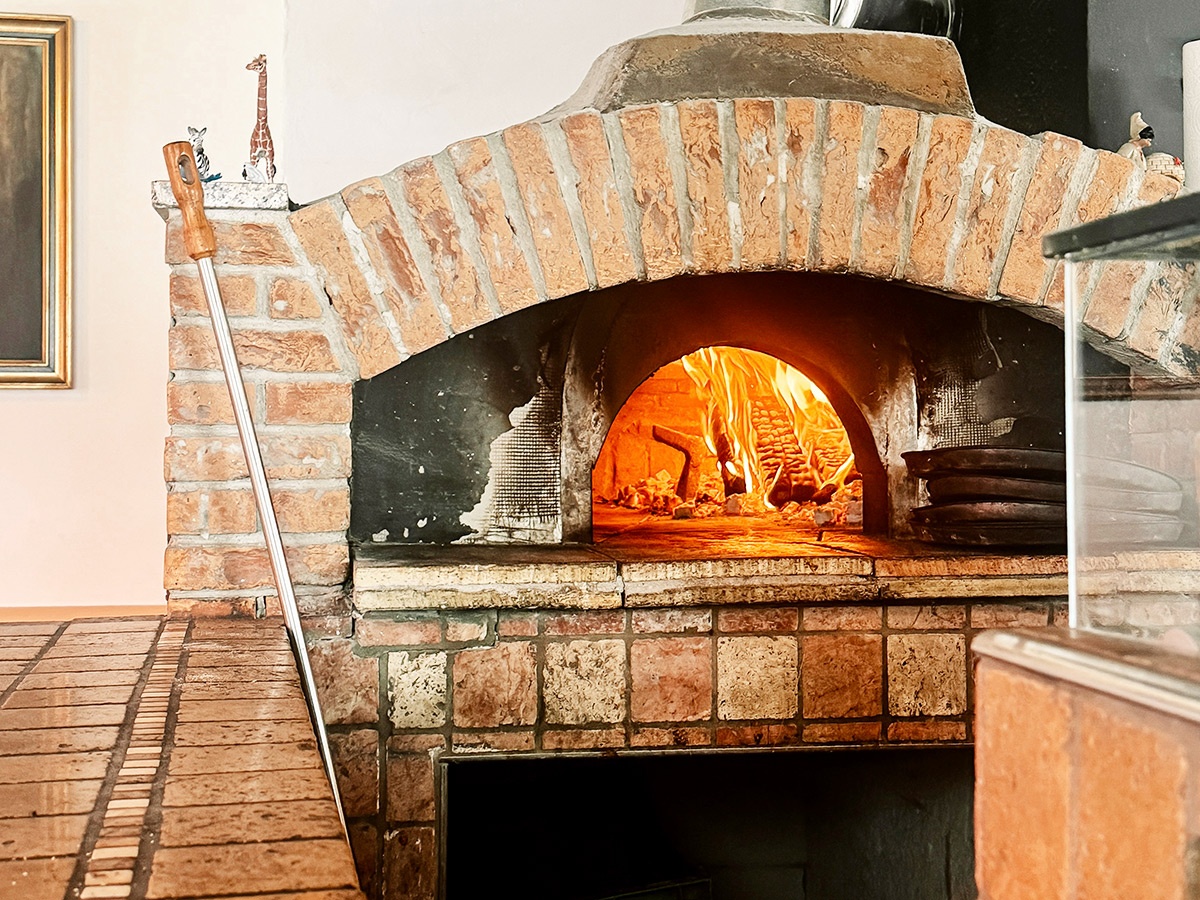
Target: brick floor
[(161, 758)]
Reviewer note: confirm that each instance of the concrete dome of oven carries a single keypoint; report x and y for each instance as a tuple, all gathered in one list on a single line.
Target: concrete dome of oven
[(726, 57)]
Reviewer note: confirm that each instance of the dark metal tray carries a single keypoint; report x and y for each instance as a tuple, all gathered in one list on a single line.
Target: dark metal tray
[(992, 513), (993, 535), (1047, 465), (952, 488)]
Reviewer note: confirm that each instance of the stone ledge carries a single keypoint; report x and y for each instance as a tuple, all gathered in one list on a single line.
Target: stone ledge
[(225, 195), (413, 578)]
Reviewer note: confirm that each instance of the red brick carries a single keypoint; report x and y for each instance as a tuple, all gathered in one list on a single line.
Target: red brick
[(221, 458), (937, 199), (184, 512), (517, 625), (589, 739), (231, 512), (1131, 804), (1023, 786), (502, 254), (883, 214), (410, 789), (699, 125), (415, 743), (312, 511), (238, 244), (194, 347), (496, 741), (799, 139), (411, 863), (553, 236), (319, 229), (987, 210), (926, 618), (239, 295), (309, 403), (672, 621), (404, 290), (356, 762), (585, 623), (757, 736), (599, 198), (670, 737), (219, 568), (290, 298), (386, 633), (756, 620), (758, 182), (364, 844), (843, 618), (201, 403), (653, 191), (839, 188), (1025, 267), (495, 686), (462, 632), (842, 676), (672, 680), (461, 290), (1009, 615), (347, 685), (928, 730), (843, 733)]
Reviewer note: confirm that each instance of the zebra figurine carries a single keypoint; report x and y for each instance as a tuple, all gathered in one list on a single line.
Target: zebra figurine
[(196, 138)]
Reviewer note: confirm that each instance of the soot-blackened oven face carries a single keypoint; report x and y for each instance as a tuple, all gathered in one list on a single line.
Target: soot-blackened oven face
[(748, 407)]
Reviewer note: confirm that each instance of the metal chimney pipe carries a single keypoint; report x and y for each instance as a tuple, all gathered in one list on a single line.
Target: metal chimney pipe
[(812, 11)]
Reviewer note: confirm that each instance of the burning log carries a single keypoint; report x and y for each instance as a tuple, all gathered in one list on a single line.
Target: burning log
[(694, 453)]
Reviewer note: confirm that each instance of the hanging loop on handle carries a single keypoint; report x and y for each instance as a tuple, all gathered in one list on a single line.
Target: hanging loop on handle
[(198, 235)]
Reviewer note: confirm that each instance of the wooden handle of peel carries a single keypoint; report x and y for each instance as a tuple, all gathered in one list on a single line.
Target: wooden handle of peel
[(198, 235)]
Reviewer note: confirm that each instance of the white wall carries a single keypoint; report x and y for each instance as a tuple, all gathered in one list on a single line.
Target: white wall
[(357, 88), (82, 517), (387, 81)]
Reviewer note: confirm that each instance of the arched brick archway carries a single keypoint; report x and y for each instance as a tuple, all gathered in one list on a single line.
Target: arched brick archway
[(565, 204), (583, 201)]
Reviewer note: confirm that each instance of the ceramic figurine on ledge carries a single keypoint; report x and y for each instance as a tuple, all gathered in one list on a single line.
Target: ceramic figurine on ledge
[(1140, 137), (196, 139), (262, 148), (1166, 164)]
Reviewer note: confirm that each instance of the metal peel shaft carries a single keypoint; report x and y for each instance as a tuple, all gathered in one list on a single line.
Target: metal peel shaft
[(201, 246)]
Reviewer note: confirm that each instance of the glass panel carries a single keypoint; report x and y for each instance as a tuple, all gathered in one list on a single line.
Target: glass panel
[(1133, 439)]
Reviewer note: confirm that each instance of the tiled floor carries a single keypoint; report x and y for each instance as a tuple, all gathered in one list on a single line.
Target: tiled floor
[(152, 758)]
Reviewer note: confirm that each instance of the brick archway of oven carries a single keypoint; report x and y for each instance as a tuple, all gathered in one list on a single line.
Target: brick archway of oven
[(582, 201)]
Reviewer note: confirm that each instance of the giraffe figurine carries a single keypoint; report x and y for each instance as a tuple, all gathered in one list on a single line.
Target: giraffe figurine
[(261, 145)]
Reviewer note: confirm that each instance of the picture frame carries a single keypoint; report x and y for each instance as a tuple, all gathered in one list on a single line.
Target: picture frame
[(35, 201)]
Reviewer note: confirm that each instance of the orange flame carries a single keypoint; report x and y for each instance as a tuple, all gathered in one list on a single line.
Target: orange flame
[(750, 393)]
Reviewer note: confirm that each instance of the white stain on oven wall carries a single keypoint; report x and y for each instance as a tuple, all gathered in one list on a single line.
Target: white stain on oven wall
[(522, 503)]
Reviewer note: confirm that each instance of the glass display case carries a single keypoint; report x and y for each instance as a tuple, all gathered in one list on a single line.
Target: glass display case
[(1132, 323)]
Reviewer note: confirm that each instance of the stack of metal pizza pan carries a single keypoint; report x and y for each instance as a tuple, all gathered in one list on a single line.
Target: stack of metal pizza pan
[(991, 496), (994, 497)]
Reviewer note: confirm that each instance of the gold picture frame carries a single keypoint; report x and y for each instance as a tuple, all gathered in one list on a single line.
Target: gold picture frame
[(35, 201)]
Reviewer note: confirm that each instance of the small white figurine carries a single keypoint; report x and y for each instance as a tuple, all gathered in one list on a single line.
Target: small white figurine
[(196, 139), (254, 174), (1140, 137)]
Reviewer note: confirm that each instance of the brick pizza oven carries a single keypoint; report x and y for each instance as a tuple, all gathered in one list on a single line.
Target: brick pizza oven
[(469, 327)]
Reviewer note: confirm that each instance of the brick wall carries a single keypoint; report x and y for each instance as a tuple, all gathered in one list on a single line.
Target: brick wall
[(1082, 792), (401, 690)]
